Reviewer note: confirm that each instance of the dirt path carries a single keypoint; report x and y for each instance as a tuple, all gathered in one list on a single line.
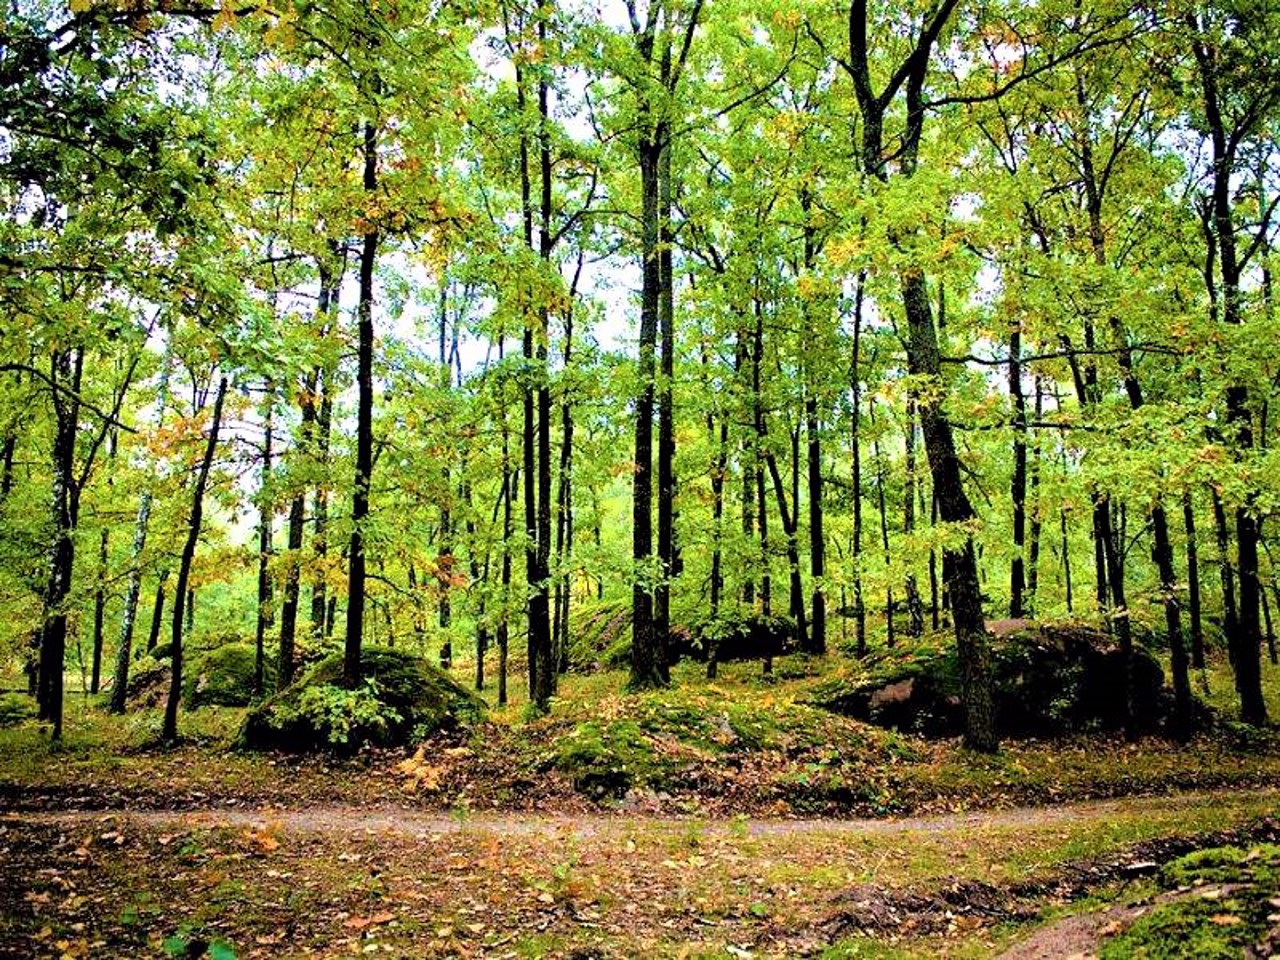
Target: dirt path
[(344, 880), (350, 819)]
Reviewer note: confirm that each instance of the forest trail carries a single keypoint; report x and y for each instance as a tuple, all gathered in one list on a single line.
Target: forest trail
[(357, 819), (336, 879)]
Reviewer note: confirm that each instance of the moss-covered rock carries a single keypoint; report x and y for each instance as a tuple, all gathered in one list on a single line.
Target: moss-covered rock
[(736, 636), (1049, 680), (1229, 910), (149, 682), (600, 638), (402, 698), (224, 677)]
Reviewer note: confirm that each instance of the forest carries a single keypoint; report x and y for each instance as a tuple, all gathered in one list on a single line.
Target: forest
[(647, 478)]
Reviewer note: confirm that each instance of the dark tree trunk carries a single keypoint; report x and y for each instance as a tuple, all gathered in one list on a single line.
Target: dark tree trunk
[(817, 541), (266, 509), (1230, 622), (356, 559), (855, 478), (330, 291), (1246, 640), (666, 408), (1193, 583), (157, 612), (67, 365), (959, 565), (287, 657), (320, 619), (647, 647), (1017, 580), (1033, 544), (882, 504), (915, 608), (503, 634), (170, 731)]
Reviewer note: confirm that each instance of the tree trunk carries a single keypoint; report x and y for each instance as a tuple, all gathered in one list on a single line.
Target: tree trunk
[(66, 365), (266, 510), (666, 409), (1193, 583), (1017, 581), (100, 591), (647, 647), (855, 477), (364, 428), (128, 617), (170, 732)]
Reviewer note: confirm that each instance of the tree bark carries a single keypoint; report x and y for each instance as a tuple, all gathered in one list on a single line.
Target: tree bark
[(170, 731), (364, 427), (266, 510)]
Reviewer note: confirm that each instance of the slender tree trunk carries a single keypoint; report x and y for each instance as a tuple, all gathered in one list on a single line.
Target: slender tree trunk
[(1017, 580), (666, 408), (364, 428), (157, 613), (855, 479), (100, 590), (915, 608), (1193, 583), (124, 650), (266, 510), (1033, 546), (884, 531), (1230, 621), (320, 509), (508, 482), (817, 540), (170, 732), (330, 292)]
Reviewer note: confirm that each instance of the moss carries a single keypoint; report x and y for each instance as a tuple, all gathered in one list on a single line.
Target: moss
[(606, 759), (414, 699), (595, 631), (224, 677), (1225, 925), (15, 708)]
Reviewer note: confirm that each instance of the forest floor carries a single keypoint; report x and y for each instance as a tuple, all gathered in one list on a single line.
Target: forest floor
[(338, 880), (711, 820)]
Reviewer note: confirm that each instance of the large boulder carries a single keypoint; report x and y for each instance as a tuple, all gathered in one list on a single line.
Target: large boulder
[(1049, 680), (734, 636), (224, 677), (401, 697), (600, 638)]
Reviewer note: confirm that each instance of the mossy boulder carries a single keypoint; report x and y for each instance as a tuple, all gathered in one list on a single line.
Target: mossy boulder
[(1220, 904), (1049, 680), (402, 697), (224, 677), (600, 638), (732, 636), (149, 682)]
